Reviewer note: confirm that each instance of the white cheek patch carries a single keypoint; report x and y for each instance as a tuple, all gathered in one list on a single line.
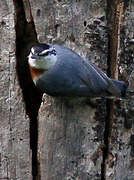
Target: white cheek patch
[(32, 62), (45, 63), (42, 62)]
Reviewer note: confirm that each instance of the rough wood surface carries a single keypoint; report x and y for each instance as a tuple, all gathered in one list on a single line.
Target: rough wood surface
[(69, 146), (74, 140), (15, 158), (120, 161)]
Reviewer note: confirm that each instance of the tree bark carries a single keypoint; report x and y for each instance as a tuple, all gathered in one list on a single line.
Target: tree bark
[(70, 139), (119, 159), (15, 154)]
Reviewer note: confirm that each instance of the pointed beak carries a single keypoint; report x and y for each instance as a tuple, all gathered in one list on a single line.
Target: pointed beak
[(33, 56)]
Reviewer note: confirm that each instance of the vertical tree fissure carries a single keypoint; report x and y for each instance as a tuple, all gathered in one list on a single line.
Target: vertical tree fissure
[(114, 18), (25, 37)]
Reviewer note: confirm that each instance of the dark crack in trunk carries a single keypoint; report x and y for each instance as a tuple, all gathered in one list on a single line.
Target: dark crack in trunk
[(114, 13), (25, 37)]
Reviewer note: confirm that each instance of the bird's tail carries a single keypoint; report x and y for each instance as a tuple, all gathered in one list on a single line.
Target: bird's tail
[(121, 85)]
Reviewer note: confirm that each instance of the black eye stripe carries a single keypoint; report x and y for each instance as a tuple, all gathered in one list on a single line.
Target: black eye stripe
[(53, 51), (47, 53), (44, 54)]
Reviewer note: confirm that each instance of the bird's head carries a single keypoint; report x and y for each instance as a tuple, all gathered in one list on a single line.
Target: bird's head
[(42, 56)]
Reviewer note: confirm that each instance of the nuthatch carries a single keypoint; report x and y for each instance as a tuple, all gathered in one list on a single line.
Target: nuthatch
[(59, 71)]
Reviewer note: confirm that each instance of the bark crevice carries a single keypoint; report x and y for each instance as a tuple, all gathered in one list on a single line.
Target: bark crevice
[(107, 132), (26, 36), (114, 19)]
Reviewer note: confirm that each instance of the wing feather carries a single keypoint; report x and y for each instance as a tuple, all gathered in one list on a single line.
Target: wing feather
[(97, 80)]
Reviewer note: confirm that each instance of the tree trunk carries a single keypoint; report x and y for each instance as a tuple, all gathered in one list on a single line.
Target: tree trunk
[(15, 154), (119, 159), (70, 139)]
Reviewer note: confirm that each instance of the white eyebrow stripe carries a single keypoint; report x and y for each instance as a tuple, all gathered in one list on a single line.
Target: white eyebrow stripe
[(47, 50), (32, 50)]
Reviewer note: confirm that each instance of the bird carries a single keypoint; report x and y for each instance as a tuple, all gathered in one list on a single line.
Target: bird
[(59, 71)]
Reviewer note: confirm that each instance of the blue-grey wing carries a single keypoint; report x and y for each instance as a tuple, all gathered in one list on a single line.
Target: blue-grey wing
[(74, 76), (97, 80)]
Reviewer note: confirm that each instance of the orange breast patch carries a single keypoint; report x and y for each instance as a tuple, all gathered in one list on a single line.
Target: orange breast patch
[(36, 72)]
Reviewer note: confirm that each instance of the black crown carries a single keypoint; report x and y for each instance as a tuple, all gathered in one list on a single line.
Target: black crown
[(40, 47)]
